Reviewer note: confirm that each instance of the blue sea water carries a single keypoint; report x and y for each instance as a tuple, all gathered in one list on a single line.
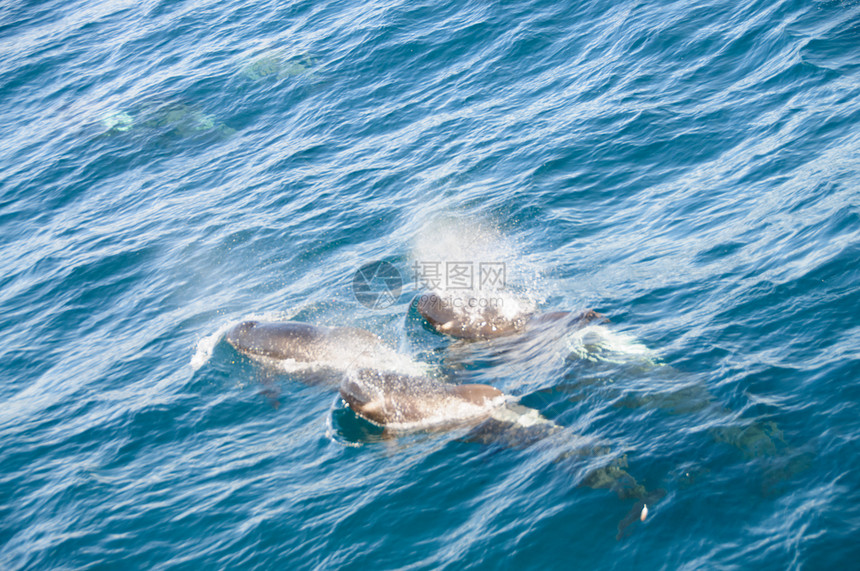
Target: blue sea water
[(689, 169)]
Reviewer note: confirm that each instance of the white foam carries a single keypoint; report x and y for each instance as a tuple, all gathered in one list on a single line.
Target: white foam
[(498, 408)]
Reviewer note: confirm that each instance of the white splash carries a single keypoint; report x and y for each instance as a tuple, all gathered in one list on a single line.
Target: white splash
[(598, 342), (519, 415), (206, 345), (498, 280)]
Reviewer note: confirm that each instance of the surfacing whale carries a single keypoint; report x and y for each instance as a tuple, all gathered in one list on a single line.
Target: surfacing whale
[(485, 321), (401, 402), (338, 348)]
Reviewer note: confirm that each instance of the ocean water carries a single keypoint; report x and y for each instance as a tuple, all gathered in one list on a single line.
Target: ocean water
[(688, 169)]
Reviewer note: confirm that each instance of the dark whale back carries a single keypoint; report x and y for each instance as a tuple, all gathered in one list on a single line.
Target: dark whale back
[(468, 323), (302, 342), (278, 340), (481, 323)]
